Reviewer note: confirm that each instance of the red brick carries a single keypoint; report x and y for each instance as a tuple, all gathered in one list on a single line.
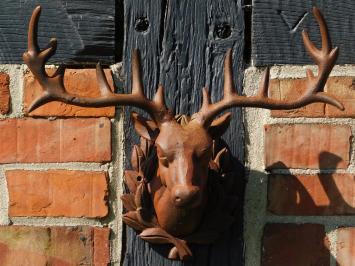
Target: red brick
[(57, 193), (345, 246), (307, 146), (62, 140), (4, 93), (41, 246), (292, 89), (294, 245), (344, 89), (101, 246), (325, 194), (77, 81)]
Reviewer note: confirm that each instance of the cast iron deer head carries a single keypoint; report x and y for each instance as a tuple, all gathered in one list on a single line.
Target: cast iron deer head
[(178, 187)]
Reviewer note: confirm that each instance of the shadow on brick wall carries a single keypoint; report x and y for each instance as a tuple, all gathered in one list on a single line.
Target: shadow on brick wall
[(324, 194)]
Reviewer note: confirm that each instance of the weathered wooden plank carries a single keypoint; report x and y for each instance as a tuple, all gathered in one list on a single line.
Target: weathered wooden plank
[(185, 52), (85, 29), (229, 249), (277, 27), (142, 20), (147, 39)]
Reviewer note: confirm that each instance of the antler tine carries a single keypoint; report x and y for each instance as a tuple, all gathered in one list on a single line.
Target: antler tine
[(314, 52), (32, 33), (137, 84), (325, 59), (264, 84), (54, 89), (228, 74), (159, 96), (104, 87), (326, 42), (34, 55), (209, 110)]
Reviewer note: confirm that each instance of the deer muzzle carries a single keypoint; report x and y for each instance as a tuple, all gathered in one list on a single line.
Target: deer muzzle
[(186, 196)]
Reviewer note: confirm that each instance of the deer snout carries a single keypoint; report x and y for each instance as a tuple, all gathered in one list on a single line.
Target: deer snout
[(185, 195)]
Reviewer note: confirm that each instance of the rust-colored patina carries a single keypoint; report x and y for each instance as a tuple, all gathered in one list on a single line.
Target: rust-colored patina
[(179, 186)]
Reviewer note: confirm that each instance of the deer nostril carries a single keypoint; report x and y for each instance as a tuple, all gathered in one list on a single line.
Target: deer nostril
[(185, 195)]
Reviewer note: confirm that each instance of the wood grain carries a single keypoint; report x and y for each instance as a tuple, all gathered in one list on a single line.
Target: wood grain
[(277, 27), (138, 252), (182, 51), (85, 29)]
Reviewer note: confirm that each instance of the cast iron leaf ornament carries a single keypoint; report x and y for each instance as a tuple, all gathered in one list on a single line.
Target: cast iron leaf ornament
[(180, 185)]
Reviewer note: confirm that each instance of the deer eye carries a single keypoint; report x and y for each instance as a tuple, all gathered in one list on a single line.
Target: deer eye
[(164, 160)]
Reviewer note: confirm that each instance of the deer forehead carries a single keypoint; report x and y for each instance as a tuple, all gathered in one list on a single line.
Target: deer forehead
[(174, 137)]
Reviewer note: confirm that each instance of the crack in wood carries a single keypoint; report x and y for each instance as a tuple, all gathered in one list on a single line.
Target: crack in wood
[(293, 28)]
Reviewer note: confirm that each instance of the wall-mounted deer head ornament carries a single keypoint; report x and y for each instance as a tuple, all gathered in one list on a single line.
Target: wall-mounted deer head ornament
[(178, 188)]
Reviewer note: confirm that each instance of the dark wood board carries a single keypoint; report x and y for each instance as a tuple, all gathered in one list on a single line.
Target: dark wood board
[(181, 49), (85, 29), (277, 27), (135, 251)]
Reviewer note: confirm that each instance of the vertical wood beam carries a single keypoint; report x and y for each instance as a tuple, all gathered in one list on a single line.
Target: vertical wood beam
[(184, 49)]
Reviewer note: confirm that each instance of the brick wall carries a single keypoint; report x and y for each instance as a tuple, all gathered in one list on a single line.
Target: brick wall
[(301, 210), (58, 176)]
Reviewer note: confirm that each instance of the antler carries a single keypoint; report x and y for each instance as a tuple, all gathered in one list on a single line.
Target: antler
[(54, 89), (325, 59)]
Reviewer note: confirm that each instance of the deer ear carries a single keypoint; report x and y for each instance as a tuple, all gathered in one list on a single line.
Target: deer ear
[(219, 125), (146, 128)]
